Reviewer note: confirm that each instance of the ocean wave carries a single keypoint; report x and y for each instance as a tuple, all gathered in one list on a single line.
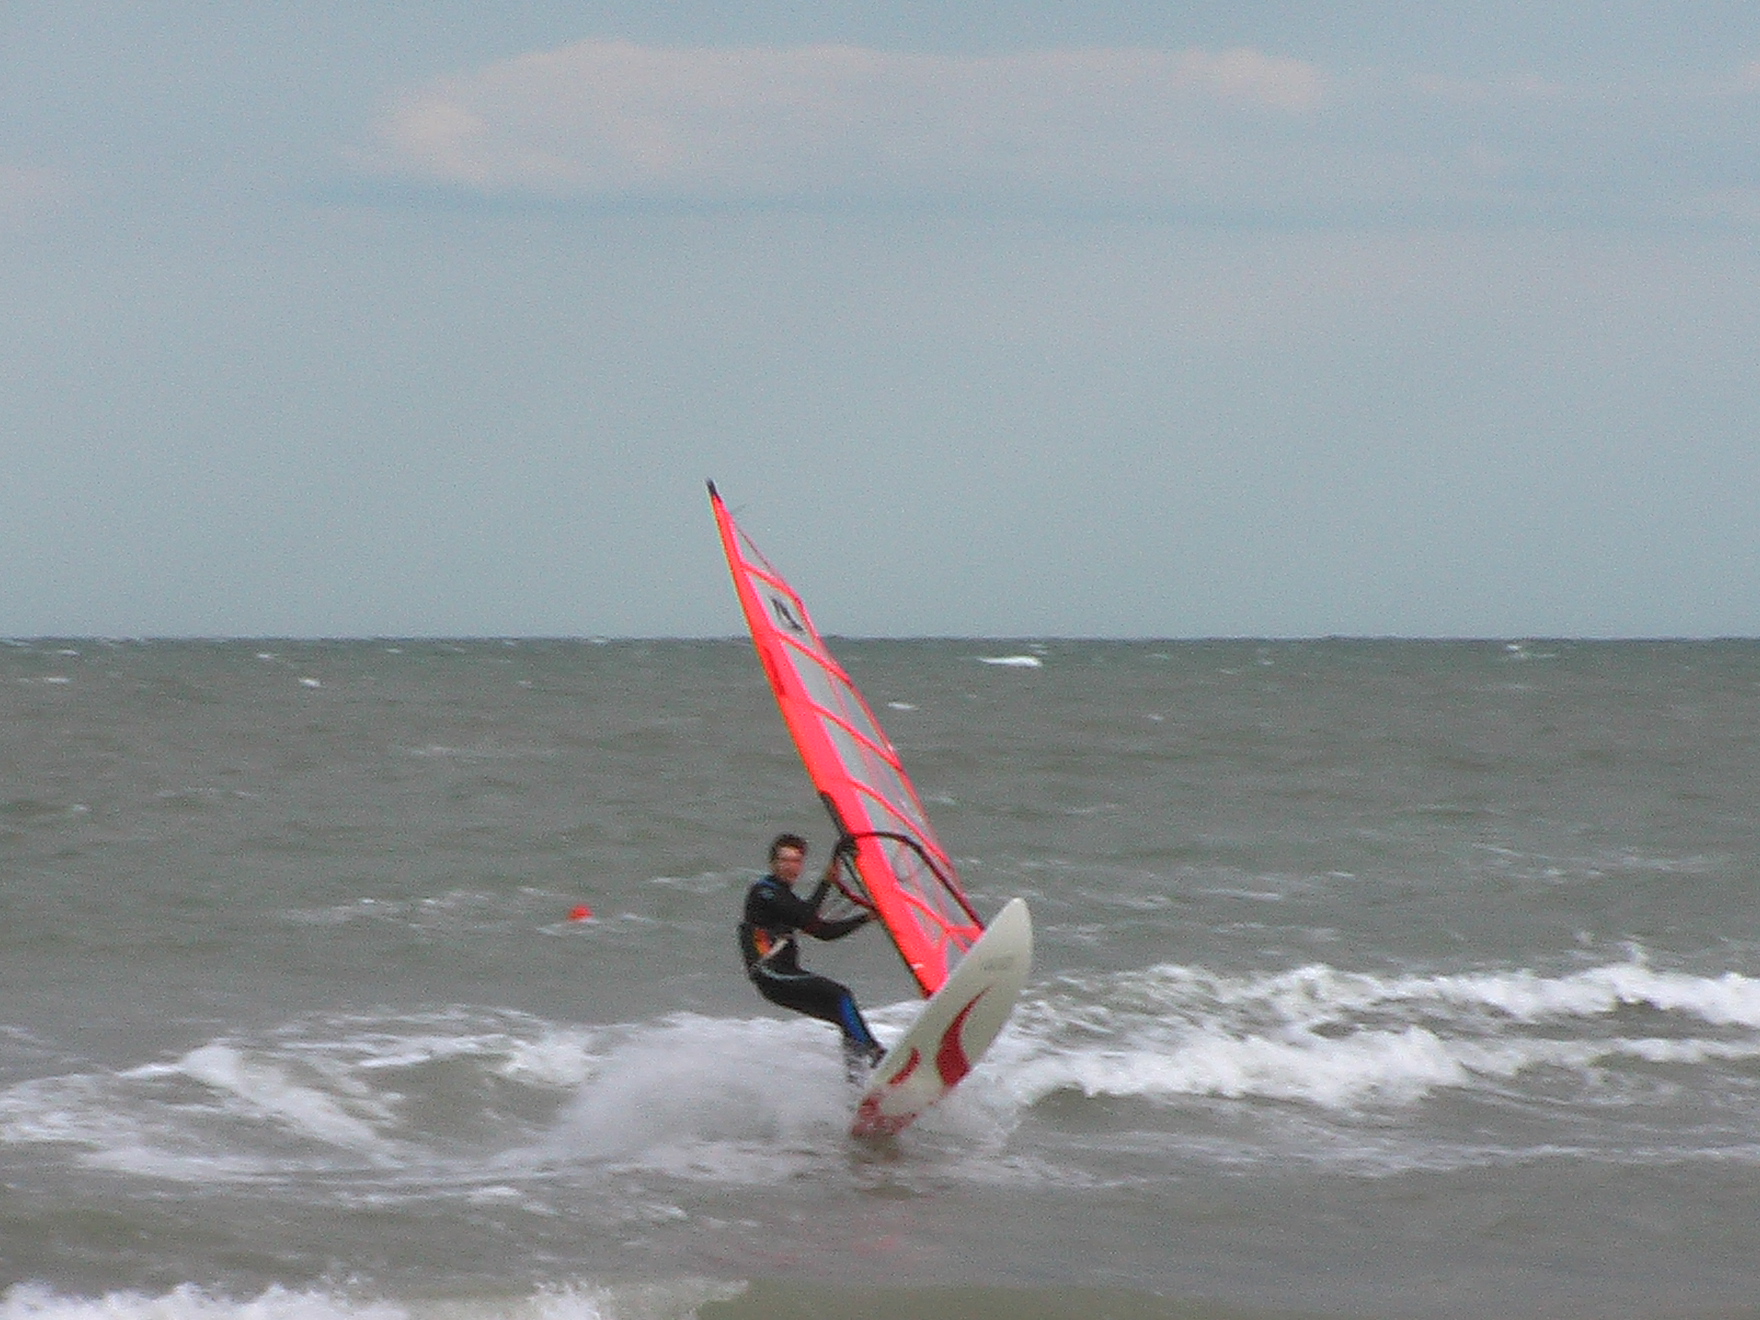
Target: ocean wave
[(1343, 1040), (378, 1094), (1386, 1065), (1316, 993), (661, 1299), (485, 1104), (458, 1102)]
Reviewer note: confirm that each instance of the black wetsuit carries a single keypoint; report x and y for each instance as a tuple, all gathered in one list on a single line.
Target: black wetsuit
[(767, 942)]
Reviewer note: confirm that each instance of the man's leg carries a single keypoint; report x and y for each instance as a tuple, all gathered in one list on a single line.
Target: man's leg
[(827, 1000)]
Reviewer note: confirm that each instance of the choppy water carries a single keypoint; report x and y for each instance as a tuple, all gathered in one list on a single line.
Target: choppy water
[(1373, 979)]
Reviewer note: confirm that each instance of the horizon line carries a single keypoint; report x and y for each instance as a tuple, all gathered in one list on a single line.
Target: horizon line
[(606, 639)]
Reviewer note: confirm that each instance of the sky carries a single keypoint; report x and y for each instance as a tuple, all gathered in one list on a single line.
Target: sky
[(362, 318)]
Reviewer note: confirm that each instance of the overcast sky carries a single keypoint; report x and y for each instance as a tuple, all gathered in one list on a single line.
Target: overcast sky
[(1128, 319)]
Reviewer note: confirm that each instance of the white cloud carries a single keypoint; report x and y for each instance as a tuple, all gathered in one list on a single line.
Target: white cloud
[(612, 118), (1225, 133)]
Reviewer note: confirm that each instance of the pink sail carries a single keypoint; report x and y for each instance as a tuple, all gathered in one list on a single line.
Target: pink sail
[(905, 871)]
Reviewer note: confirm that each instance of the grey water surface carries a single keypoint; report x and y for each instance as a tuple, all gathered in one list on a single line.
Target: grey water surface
[(1373, 979)]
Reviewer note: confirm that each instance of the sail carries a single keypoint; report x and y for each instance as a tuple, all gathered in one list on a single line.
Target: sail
[(905, 871)]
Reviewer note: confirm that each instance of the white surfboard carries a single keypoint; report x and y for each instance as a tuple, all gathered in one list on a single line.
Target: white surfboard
[(954, 1029)]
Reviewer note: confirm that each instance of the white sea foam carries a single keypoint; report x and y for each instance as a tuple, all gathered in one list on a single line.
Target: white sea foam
[(1316, 992), (666, 1299), (343, 1113), (54, 1110), (477, 1101), (505, 1044), (1343, 1040), (746, 1102), (558, 1058), (708, 1098), (1012, 661), (1382, 1066), (1730, 999), (35, 1302), (316, 1096)]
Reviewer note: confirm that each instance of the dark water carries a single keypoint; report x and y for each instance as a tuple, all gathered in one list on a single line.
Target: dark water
[(1373, 979)]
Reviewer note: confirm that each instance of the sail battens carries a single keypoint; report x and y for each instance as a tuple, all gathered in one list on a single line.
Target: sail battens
[(855, 768)]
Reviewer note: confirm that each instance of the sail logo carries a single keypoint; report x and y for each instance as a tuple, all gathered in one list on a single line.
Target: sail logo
[(785, 616)]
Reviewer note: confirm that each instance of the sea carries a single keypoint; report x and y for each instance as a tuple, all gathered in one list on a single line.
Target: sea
[(395, 979)]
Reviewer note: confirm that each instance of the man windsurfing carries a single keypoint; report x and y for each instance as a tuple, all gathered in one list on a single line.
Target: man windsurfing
[(768, 940)]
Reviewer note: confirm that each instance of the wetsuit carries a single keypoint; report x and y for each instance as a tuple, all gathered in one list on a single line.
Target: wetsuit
[(767, 941)]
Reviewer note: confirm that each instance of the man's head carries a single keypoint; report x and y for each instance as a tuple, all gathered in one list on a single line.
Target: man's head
[(788, 854)]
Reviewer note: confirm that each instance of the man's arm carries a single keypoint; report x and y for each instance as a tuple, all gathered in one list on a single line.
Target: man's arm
[(819, 927)]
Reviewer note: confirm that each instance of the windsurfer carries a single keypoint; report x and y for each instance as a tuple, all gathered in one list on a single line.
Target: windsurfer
[(774, 915)]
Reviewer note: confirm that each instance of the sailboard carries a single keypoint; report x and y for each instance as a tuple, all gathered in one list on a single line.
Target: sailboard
[(970, 975)]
